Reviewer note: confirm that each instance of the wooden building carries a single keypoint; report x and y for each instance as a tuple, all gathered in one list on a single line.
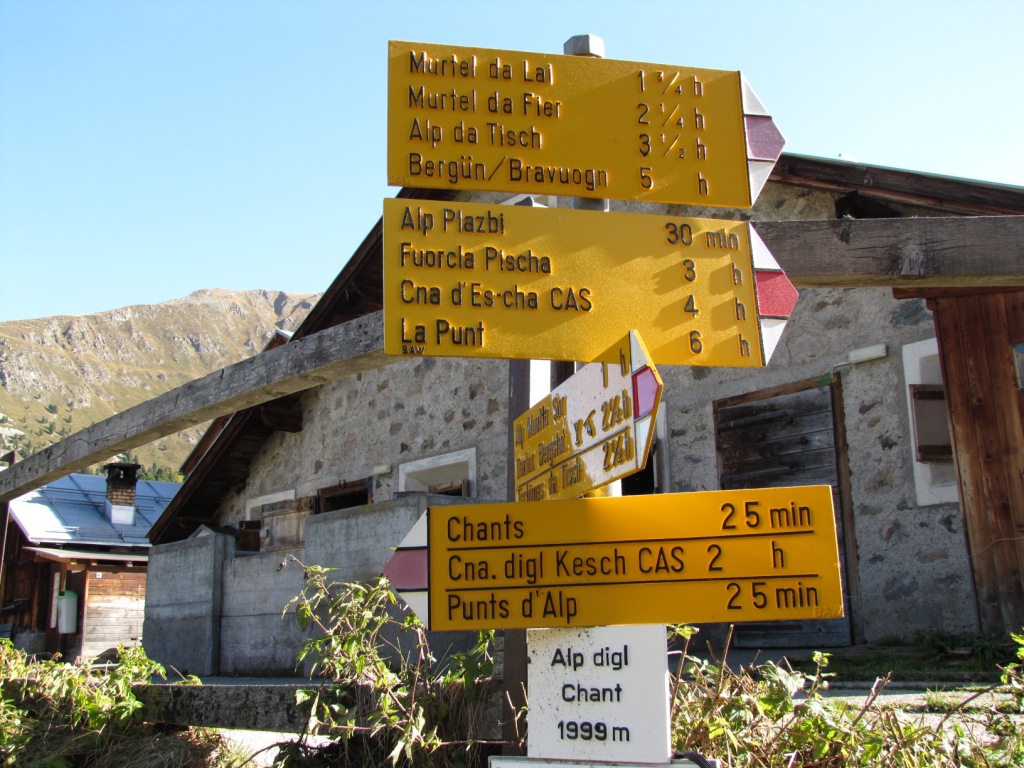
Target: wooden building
[(75, 551), (981, 340)]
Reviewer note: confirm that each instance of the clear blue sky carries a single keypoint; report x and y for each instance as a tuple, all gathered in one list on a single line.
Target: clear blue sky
[(150, 148)]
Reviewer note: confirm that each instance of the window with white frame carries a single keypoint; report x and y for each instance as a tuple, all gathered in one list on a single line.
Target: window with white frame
[(451, 473), (273, 522), (935, 479)]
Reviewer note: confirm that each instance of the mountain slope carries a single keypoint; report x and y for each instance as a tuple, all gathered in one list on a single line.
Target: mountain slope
[(60, 374)]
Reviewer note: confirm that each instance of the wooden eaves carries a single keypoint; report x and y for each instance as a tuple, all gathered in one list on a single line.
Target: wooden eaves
[(944, 194)]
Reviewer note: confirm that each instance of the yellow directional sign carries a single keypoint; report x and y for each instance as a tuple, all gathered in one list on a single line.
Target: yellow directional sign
[(715, 556), (493, 120), (473, 280), (593, 429)]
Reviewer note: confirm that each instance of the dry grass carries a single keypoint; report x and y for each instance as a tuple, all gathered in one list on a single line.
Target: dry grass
[(140, 747), (151, 748)]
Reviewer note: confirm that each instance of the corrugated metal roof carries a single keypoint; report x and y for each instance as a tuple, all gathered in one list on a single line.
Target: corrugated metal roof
[(72, 510)]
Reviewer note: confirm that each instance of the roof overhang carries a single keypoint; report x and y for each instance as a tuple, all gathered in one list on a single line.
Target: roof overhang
[(82, 555)]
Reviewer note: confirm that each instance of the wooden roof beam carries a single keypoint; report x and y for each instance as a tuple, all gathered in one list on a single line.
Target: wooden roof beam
[(333, 353), (947, 193), (926, 252), (281, 417)]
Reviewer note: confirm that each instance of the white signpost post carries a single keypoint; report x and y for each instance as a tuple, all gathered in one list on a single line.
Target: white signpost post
[(603, 693)]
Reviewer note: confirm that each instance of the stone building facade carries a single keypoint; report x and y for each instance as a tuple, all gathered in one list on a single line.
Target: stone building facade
[(343, 489)]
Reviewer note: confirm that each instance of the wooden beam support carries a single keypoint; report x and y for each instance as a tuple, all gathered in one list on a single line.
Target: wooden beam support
[(255, 707), (343, 350), (281, 418), (917, 253), (939, 252)]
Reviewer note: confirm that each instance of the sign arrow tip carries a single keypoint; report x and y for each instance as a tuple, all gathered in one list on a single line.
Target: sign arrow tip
[(776, 295)]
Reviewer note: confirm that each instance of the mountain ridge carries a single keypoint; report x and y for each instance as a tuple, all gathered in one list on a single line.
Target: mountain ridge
[(62, 373)]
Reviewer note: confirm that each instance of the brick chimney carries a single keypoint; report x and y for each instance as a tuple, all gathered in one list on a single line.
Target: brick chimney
[(121, 481)]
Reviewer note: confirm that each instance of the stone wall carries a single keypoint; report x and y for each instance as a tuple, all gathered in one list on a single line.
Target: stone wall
[(257, 635), (410, 410), (909, 562), (220, 611), (912, 568), (183, 604), (413, 409), (359, 541)]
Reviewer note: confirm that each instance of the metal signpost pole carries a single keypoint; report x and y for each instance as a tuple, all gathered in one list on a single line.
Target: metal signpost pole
[(566, 126), (514, 661), (561, 371), (592, 46)]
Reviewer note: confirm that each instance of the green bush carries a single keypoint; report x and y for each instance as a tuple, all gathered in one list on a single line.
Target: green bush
[(384, 696), (770, 715), (57, 715)]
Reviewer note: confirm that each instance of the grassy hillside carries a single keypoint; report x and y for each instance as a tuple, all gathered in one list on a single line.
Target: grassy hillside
[(61, 374)]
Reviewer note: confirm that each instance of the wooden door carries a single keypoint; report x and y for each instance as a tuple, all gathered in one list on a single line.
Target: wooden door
[(979, 336), (115, 603), (780, 438)]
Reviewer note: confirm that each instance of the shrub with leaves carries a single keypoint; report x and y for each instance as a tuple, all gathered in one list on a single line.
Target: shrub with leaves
[(769, 715), (61, 715), (385, 698), (383, 695), (1013, 674)]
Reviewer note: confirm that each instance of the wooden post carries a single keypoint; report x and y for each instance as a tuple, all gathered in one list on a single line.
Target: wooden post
[(514, 668), (335, 352)]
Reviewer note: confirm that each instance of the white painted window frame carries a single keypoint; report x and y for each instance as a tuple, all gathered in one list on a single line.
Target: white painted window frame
[(419, 475), (270, 498), (934, 482)]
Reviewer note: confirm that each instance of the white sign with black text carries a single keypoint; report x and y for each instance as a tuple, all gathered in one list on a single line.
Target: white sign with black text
[(599, 694)]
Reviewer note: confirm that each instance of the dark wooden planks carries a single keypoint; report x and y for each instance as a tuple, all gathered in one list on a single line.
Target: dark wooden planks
[(929, 252), (770, 439), (779, 438), (975, 334)]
